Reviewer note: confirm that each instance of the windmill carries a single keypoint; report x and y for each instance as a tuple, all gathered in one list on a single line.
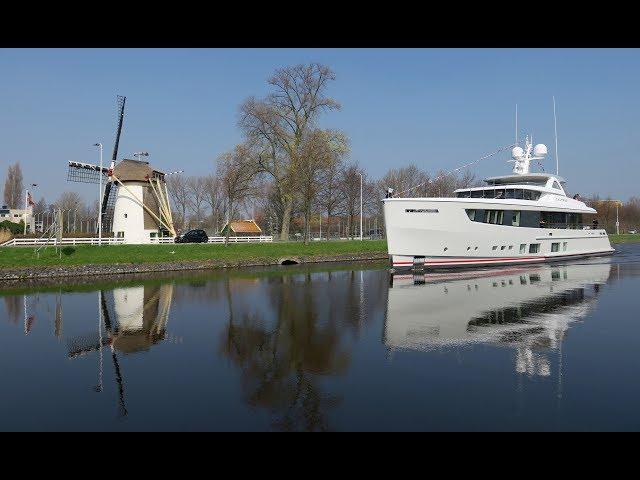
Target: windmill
[(135, 200)]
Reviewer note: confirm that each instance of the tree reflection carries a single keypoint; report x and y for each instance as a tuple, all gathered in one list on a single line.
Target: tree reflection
[(284, 361)]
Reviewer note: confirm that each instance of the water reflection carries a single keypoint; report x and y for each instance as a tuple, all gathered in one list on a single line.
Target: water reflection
[(527, 309), (297, 348), (284, 351)]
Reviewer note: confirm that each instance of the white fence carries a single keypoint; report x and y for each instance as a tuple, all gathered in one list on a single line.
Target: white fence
[(260, 239), (16, 242)]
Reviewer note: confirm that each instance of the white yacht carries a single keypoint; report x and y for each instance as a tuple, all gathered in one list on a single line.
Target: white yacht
[(520, 218)]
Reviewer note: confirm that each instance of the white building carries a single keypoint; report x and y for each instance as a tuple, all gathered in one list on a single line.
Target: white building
[(17, 215)]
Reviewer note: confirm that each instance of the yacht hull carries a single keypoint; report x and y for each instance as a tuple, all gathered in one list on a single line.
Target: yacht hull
[(438, 233)]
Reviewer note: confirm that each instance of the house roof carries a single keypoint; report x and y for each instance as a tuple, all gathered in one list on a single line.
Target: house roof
[(244, 226), (134, 171)]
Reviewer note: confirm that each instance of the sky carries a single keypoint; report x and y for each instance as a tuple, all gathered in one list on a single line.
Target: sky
[(435, 108)]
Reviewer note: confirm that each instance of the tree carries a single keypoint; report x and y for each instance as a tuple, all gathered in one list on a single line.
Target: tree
[(179, 193), (196, 196), (350, 190), (321, 150), (214, 198), (280, 123), (13, 187), (238, 178), (69, 201), (407, 181)]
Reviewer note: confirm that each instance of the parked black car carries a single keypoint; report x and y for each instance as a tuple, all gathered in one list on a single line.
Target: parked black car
[(193, 236)]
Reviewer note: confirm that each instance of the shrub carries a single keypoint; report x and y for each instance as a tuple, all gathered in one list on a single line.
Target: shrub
[(12, 227), (68, 251)]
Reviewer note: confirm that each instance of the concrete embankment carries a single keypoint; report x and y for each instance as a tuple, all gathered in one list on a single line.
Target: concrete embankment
[(11, 275)]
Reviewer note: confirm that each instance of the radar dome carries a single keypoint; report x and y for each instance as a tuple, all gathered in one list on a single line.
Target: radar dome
[(540, 150), (517, 152)]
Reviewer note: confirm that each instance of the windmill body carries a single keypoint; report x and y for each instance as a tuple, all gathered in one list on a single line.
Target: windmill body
[(141, 212)]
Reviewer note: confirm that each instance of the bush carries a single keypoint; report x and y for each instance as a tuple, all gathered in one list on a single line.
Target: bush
[(68, 251), (12, 227)]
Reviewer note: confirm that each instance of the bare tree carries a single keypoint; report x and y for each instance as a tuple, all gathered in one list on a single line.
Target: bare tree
[(69, 201), (179, 193), (330, 197), (350, 190), (214, 197), (197, 196), (13, 187), (321, 150), (238, 178), (281, 122)]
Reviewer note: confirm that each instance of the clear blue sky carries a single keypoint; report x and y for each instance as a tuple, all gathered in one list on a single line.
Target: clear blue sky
[(435, 108)]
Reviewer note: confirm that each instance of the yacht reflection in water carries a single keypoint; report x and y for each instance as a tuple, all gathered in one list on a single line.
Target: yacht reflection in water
[(130, 320), (529, 309)]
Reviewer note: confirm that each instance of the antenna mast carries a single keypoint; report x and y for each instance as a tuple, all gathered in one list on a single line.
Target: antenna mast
[(516, 124), (555, 129)]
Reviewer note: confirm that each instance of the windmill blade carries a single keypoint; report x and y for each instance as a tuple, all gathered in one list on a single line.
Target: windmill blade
[(120, 102), (85, 172), (108, 204)]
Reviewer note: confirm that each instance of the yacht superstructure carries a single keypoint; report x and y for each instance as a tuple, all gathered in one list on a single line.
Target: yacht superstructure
[(520, 218)]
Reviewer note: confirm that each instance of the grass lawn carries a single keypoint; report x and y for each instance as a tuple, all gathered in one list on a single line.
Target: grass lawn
[(624, 238), (16, 257)]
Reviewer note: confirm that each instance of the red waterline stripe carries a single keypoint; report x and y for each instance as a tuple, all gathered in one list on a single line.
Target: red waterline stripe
[(473, 260)]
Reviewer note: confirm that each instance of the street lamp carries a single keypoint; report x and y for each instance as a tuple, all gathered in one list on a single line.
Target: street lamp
[(99, 145), (360, 173)]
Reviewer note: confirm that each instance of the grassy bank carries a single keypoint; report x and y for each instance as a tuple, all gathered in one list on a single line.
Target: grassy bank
[(624, 238), (17, 257)]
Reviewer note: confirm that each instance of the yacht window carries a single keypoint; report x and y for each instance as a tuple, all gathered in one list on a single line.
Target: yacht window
[(499, 216), (510, 193), (502, 247), (564, 246), (519, 194), (495, 247), (534, 248), (471, 214), (523, 248), (535, 195), (527, 194), (555, 247), (466, 194), (556, 185), (499, 194), (476, 194), (515, 219)]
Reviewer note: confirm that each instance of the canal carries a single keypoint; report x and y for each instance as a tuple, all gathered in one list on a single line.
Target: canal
[(327, 347)]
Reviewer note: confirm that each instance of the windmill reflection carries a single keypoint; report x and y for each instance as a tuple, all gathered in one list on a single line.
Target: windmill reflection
[(527, 309), (134, 319)]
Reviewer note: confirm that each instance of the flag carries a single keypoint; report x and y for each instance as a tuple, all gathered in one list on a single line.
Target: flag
[(30, 200)]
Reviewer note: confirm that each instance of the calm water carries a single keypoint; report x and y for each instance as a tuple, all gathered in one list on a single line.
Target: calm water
[(328, 348)]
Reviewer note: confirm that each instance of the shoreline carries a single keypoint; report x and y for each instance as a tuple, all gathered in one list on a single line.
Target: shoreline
[(12, 275)]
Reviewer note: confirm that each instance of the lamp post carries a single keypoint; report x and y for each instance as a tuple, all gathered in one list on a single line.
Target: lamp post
[(360, 173), (99, 145)]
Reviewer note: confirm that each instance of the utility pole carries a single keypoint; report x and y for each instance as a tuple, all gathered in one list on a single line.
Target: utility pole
[(360, 206)]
